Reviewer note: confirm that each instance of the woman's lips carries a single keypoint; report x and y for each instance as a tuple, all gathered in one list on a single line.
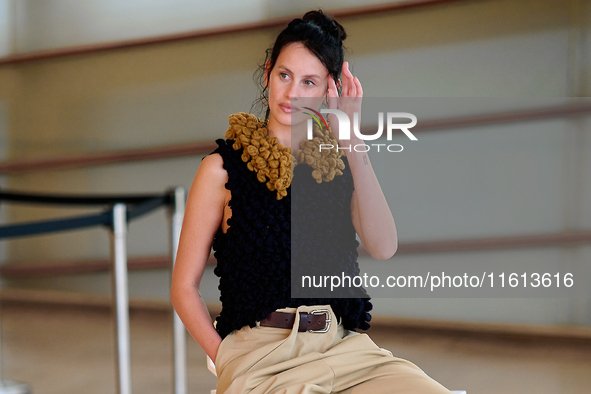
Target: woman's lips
[(287, 108)]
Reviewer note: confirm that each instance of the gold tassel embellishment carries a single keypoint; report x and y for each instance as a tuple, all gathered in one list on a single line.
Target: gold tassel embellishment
[(272, 161), (327, 163)]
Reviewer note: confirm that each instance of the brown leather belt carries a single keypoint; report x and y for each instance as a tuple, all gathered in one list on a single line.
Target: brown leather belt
[(315, 321)]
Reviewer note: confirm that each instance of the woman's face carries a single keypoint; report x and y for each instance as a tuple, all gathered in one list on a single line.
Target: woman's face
[(297, 73)]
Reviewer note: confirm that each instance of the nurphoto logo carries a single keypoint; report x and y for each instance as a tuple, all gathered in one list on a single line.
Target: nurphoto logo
[(344, 130)]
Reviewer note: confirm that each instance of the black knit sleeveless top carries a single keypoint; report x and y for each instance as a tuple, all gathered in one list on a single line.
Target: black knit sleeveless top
[(254, 255)]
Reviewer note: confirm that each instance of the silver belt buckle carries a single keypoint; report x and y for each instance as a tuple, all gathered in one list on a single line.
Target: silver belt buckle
[(326, 312)]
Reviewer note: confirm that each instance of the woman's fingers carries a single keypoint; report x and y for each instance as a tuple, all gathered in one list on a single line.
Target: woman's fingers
[(348, 83), (351, 85), (359, 88)]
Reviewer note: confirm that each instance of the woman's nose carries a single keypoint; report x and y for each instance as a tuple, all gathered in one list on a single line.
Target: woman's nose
[(292, 90)]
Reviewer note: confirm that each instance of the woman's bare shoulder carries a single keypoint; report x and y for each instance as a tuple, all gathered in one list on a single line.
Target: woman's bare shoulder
[(209, 185), (212, 168)]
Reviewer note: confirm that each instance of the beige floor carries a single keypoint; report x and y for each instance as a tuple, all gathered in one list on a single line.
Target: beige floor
[(71, 350)]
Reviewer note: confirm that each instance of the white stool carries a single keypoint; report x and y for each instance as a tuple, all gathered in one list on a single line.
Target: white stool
[(211, 367)]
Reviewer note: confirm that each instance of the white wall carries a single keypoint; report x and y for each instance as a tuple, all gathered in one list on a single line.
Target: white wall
[(6, 27), (499, 180), (60, 23)]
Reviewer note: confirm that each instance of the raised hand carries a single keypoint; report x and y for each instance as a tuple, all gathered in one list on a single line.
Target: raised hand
[(348, 102)]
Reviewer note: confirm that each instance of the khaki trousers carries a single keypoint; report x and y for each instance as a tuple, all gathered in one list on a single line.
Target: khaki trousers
[(276, 360)]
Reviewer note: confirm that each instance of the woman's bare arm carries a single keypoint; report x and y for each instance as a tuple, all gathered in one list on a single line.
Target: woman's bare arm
[(203, 215), (370, 212)]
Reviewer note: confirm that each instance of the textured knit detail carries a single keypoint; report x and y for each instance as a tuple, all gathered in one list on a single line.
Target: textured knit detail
[(263, 155), (254, 256), (273, 162)]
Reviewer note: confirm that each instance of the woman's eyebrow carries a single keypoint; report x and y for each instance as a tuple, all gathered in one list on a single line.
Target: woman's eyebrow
[(305, 76)]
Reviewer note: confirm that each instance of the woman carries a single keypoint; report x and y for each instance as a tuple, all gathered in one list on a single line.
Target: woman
[(242, 202)]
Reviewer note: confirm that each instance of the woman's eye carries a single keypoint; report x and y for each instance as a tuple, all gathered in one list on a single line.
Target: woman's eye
[(283, 75), (308, 82)]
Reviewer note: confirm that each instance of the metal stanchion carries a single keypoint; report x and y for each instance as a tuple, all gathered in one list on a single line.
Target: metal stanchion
[(9, 386), (12, 387), (121, 301), (180, 345)]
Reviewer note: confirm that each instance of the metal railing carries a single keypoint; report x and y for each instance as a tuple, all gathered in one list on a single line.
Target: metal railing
[(121, 210)]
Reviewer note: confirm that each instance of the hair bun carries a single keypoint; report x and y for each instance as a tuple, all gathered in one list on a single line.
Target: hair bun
[(326, 23)]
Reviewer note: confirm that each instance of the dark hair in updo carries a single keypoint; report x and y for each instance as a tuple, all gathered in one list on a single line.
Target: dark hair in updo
[(320, 34)]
